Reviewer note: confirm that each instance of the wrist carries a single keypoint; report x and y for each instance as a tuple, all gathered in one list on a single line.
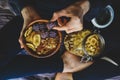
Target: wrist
[(78, 8), (63, 76), (29, 13), (85, 6)]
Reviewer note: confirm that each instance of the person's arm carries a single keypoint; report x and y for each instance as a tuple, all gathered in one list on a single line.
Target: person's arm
[(24, 65), (75, 12), (26, 10), (71, 65), (29, 15), (64, 76)]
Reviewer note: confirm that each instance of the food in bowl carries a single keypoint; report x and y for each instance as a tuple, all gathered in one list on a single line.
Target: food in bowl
[(39, 41), (73, 42), (84, 43), (93, 44)]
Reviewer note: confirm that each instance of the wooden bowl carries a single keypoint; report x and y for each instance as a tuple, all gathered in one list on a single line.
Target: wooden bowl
[(40, 42)]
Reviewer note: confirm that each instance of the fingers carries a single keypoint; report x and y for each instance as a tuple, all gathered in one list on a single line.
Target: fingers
[(73, 28), (21, 34), (60, 28), (68, 29), (73, 25), (21, 43), (55, 17)]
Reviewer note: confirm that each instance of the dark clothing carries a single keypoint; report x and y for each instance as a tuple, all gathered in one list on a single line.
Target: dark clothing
[(22, 65), (26, 65), (9, 40), (46, 7), (101, 69)]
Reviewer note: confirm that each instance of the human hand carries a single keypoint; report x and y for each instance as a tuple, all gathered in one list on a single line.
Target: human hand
[(75, 12), (72, 63), (29, 15), (63, 76)]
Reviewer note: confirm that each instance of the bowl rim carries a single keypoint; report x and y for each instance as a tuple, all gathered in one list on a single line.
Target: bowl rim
[(33, 53)]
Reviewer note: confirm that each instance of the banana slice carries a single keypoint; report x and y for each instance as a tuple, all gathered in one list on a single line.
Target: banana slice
[(36, 40), (31, 46), (30, 37), (28, 31)]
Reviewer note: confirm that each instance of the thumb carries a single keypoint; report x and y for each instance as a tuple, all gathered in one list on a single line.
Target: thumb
[(55, 17), (58, 14)]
